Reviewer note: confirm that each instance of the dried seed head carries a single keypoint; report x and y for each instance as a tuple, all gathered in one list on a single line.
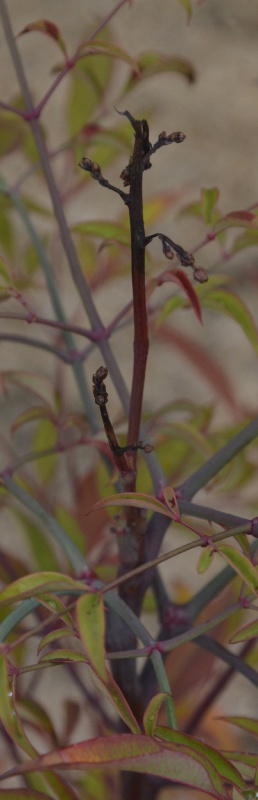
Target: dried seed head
[(125, 175), (86, 164), (201, 275), (186, 259), (100, 375), (177, 137), (95, 168)]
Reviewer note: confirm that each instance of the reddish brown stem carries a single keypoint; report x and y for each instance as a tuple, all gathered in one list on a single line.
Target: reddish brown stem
[(141, 341)]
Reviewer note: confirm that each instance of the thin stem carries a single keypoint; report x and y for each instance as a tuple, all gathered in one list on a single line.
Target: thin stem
[(233, 660), (74, 555), (67, 358), (55, 300), (78, 277), (217, 537), (196, 634), (211, 467), (72, 61), (214, 692), (141, 340)]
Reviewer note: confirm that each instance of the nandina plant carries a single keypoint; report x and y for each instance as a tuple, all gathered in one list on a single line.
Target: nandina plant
[(90, 572)]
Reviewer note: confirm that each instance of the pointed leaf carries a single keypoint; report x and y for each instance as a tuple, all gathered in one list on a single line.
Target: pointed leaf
[(236, 219), (224, 767), (205, 560), (46, 432), (169, 495), (245, 723), (135, 499), (152, 63), (247, 239), (152, 711), (188, 7), (52, 636), (113, 694), (209, 200), (227, 302), (48, 28), (31, 414), (137, 753), (63, 656), (91, 623), (104, 230), (179, 277), (247, 571), (99, 47), (39, 583), (5, 274), (250, 631), (8, 712)]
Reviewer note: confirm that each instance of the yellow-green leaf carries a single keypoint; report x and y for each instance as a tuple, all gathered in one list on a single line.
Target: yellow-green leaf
[(37, 584), (250, 631), (91, 623), (228, 303), (242, 566), (153, 63), (152, 711), (103, 229), (205, 559)]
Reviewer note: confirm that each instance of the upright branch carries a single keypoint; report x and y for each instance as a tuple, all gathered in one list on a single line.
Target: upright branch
[(132, 176)]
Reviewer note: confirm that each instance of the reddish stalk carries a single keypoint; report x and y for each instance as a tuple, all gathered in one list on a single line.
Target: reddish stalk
[(141, 340)]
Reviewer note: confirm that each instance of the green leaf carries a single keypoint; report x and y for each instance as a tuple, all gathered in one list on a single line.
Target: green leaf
[(38, 584), (7, 240), (172, 304), (152, 711), (70, 524), (63, 656), (43, 554), (245, 723), (209, 200), (152, 63), (48, 28), (8, 713), (224, 767), (250, 631), (227, 302), (135, 499), (13, 725), (137, 753), (205, 559), (104, 230), (248, 239), (242, 566), (45, 434), (91, 623), (89, 81), (52, 636), (188, 7), (5, 274), (30, 415), (99, 47)]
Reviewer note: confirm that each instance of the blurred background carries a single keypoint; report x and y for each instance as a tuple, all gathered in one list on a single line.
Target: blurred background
[(218, 112)]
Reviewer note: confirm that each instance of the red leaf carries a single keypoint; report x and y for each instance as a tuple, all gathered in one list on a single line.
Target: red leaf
[(179, 277), (47, 27)]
